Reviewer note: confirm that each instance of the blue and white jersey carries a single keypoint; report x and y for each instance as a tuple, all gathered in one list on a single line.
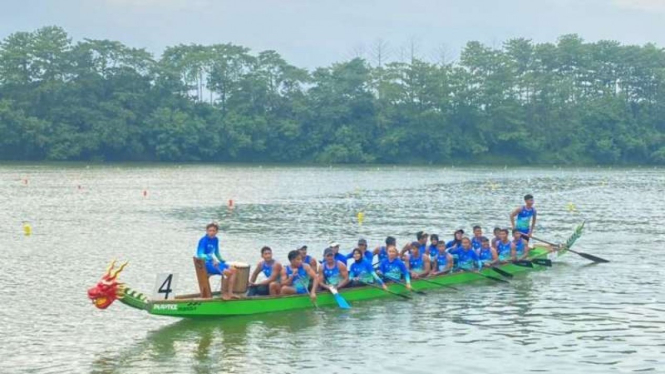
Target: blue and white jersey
[(523, 223)]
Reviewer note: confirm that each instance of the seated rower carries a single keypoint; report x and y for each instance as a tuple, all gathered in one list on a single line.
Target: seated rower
[(382, 252), (443, 262), (433, 248), (296, 277), (392, 268), (495, 239), (467, 258), (333, 273), (503, 246), (272, 270), (208, 250), (307, 259), (362, 246), (519, 246), (362, 272), (421, 239), (338, 256), (456, 242), (486, 254), (417, 262), (477, 240)]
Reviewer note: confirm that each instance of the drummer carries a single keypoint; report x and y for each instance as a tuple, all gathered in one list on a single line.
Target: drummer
[(271, 269), (208, 250)]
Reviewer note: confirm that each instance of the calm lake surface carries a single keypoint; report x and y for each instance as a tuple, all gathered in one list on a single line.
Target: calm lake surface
[(573, 318)]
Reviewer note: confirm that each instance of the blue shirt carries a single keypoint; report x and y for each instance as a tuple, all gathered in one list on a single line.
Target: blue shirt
[(208, 248), (503, 250), (394, 270), (441, 261), (519, 247), (364, 271), (368, 255), (383, 254), (433, 251), (523, 223), (267, 268), (416, 264), (331, 275), (466, 260), (476, 243), (301, 280), (453, 244), (485, 255)]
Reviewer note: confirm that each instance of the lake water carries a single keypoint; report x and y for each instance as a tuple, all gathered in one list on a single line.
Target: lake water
[(573, 318)]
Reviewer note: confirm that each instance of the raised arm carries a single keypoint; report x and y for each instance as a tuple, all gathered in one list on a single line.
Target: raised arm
[(514, 214), (255, 273), (404, 250)]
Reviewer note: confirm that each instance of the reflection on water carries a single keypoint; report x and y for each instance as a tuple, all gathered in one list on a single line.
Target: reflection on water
[(574, 318)]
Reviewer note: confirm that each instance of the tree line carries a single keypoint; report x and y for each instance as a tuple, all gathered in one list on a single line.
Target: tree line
[(569, 102)]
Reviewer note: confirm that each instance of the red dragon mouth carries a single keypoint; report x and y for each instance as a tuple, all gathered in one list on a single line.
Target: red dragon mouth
[(107, 289)]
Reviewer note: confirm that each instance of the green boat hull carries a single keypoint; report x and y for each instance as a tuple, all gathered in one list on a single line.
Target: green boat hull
[(195, 307)]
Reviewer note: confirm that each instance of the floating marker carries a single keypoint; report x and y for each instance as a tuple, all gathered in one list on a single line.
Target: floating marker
[(27, 229), (79, 187), (230, 204), (145, 193), (25, 181), (571, 207), (361, 217)]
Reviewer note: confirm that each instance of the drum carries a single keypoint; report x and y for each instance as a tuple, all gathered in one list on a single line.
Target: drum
[(242, 276)]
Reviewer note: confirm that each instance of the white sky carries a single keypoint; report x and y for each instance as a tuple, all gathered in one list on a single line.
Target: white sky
[(318, 32)]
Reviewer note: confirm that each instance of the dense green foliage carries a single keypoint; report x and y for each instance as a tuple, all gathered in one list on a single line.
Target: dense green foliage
[(569, 102)]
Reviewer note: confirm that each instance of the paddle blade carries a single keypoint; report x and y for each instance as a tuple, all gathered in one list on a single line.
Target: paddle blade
[(592, 257), (523, 263), (503, 272), (341, 302), (542, 262)]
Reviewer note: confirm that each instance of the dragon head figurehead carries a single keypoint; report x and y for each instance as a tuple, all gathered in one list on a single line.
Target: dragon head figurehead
[(107, 289)]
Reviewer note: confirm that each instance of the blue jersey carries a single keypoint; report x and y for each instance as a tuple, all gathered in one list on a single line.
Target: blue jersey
[(301, 280), (523, 223), (383, 254), (503, 250), (307, 260), (331, 275), (394, 270), (416, 264), (208, 249), (519, 247), (476, 243), (340, 257), (467, 259), (441, 261), (364, 271), (368, 255), (485, 255), (433, 252), (453, 244)]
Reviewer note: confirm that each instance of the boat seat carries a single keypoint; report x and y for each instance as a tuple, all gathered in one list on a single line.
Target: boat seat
[(202, 277)]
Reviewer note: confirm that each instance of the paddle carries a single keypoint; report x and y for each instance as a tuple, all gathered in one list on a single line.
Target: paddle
[(388, 291), (339, 299), (397, 281), (542, 261), (523, 263), (585, 255), (501, 272), (490, 277), (438, 284)]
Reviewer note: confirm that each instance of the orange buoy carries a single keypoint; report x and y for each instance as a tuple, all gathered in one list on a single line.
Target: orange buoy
[(145, 193), (230, 203)]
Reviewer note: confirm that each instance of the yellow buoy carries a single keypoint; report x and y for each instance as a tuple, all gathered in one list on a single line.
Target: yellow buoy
[(361, 217), (27, 229), (571, 207)]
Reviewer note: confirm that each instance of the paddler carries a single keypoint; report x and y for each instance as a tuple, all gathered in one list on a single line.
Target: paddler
[(457, 240), (486, 254), (208, 250), (333, 273), (421, 238), (495, 239), (467, 258), (443, 262), (362, 272), (338, 256), (362, 247), (296, 277), (307, 259), (503, 246), (526, 218), (381, 252), (433, 248), (519, 246), (417, 262), (271, 269), (477, 240), (392, 268)]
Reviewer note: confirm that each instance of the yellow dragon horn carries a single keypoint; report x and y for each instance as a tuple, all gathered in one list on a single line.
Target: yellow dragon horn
[(111, 266), (117, 271)]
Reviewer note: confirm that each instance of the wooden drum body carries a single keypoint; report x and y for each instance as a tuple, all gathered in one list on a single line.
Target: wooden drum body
[(242, 276)]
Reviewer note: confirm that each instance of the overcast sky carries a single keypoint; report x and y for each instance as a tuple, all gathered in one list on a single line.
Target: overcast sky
[(312, 33)]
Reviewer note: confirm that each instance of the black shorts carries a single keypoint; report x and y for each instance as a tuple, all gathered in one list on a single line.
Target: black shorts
[(262, 290), (526, 237)]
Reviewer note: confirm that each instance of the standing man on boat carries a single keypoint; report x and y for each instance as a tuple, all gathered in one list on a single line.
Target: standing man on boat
[(208, 250), (526, 218), (271, 269), (333, 273), (296, 277)]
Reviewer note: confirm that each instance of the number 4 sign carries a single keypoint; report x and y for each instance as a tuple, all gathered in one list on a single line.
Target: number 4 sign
[(164, 286)]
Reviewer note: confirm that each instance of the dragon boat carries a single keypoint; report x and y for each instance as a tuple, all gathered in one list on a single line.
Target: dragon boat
[(110, 289)]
